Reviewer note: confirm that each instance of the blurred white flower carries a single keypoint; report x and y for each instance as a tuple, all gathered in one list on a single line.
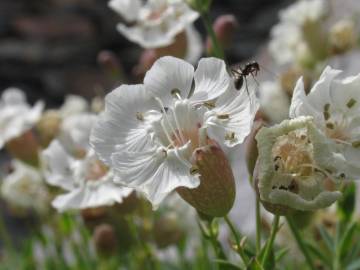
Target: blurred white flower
[(287, 43), (88, 182), (73, 104), (25, 188), (335, 106), (16, 116), (274, 101), (155, 23), (75, 132), (293, 164), (303, 11), (148, 133)]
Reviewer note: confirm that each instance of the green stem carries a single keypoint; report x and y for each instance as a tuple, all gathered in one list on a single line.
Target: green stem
[(209, 234), (153, 263), (258, 226), (218, 51), (239, 249), (300, 242), (270, 243), (5, 236)]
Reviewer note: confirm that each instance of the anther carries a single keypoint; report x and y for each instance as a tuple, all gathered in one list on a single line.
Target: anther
[(223, 116), (356, 144), (330, 125), (194, 170), (230, 136), (326, 115), (351, 103), (176, 93), (326, 107), (209, 104)]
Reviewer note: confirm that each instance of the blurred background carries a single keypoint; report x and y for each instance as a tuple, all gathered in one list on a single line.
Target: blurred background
[(49, 48)]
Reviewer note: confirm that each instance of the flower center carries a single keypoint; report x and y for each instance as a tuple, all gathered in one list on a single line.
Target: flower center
[(293, 154)]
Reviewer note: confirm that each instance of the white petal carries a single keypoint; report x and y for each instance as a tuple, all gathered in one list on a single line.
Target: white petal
[(169, 73), (154, 173), (58, 166), (75, 131), (299, 103), (90, 196), (324, 199), (148, 38), (343, 91), (124, 123), (241, 110), (194, 46), (320, 92), (129, 9), (211, 80)]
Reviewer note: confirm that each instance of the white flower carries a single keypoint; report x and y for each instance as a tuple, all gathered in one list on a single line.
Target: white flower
[(303, 11), (155, 23), (287, 43), (16, 116), (335, 106), (73, 105), (88, 181), (294, 160), (75, 132), (24, 188), (274, 101), (149, 132)]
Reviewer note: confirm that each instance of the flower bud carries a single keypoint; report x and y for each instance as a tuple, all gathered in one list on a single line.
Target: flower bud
[(224, 28), (293, 166), (251, 150), (48, 127), (105, 239), (342, 36), (25, 148), (167, 230), (216, 193)]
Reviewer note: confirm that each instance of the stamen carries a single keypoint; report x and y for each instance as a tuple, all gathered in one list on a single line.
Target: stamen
[(351, 103), (182, 137), (162, 107)]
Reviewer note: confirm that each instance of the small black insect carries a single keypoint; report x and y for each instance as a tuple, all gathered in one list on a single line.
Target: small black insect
[(239, 73)]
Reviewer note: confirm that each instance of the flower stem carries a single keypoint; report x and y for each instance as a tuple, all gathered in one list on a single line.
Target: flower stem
[(239, 248), (218, 51), (258, 226), (5, 236), (300, 242), (209, 234), (270, 243)]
